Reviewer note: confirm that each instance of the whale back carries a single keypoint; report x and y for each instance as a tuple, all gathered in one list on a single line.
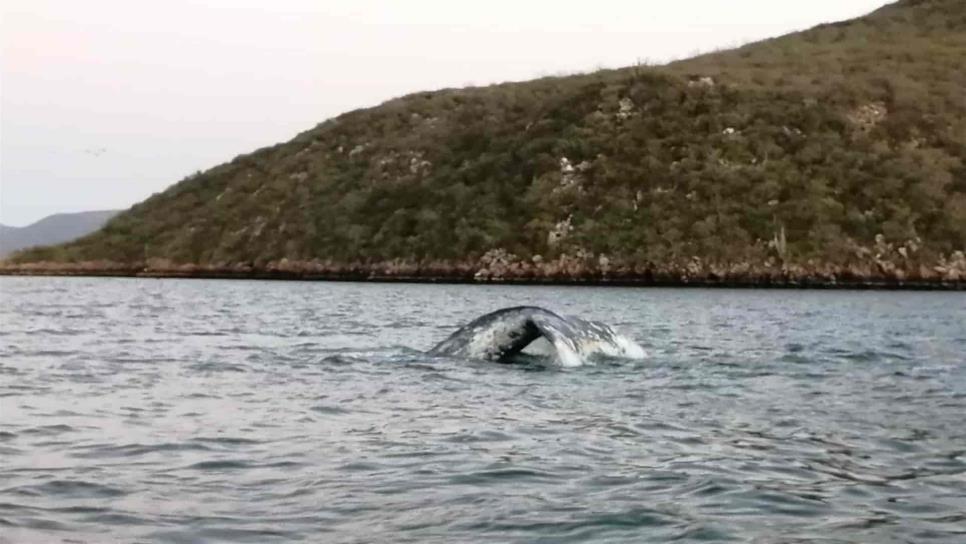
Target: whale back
[(500, 335)]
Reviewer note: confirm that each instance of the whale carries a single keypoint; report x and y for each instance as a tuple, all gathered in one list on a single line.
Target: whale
[(503, 335)]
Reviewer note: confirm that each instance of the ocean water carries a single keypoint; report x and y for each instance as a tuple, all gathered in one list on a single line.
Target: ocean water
[(143, 410)]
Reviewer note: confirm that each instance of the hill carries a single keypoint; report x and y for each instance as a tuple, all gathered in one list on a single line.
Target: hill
[(837, 154), (53, 229)]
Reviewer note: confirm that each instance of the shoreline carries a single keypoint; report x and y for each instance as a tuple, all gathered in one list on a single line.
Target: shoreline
[(777, 280)]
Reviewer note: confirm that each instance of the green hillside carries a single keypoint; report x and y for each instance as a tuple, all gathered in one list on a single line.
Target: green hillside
[(838, 152)]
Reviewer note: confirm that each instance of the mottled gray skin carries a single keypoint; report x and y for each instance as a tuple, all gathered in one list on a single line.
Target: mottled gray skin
[(500, 335)]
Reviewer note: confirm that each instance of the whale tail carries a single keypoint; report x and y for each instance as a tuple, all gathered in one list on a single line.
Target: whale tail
[(504, 334)]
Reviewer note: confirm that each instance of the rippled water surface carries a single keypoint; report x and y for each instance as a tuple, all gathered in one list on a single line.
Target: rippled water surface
[(197, 411)]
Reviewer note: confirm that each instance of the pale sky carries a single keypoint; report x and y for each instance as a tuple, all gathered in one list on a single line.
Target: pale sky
[(104, 102)]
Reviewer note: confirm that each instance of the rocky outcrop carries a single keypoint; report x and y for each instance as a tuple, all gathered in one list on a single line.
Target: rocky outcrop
[(870, 270)]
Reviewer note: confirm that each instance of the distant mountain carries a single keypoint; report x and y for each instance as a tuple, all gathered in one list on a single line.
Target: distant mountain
[(53, 229), (831, 155)]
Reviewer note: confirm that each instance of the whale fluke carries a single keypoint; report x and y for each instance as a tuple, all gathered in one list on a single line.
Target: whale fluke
[(505, 333)]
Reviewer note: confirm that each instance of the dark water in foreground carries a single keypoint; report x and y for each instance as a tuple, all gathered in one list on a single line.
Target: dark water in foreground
[(193, 411)]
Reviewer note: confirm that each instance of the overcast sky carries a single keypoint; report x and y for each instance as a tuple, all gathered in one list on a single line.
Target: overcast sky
[(103, 102)]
